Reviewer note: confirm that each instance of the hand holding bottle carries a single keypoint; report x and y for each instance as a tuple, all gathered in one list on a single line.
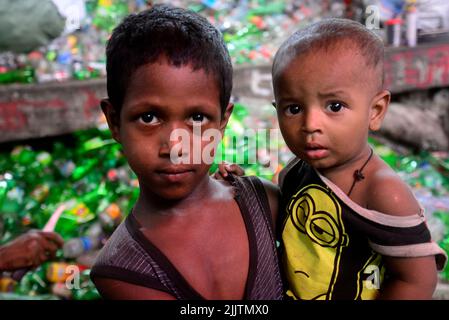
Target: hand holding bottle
[(39, 241), (29, 250)]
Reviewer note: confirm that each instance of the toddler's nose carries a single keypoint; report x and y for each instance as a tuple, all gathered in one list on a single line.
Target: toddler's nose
[(311, 121)]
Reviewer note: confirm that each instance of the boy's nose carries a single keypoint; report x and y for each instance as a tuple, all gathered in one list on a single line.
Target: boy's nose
[(174, 141), (168, 148)]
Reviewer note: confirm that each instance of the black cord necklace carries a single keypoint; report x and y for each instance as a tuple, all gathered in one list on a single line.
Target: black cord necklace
[(358, 175)]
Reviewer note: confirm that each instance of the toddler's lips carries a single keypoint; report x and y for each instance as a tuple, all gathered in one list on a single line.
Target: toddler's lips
[(316, 153)]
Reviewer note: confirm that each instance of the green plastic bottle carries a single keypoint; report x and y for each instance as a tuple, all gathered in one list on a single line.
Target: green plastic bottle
[(23, 155), (109, 13), (84, 168), (24, 75), (75, 216), (34, 282), (87, 290)]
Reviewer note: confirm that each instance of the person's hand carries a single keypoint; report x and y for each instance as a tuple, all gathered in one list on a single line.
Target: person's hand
[(29, 250), (225, 168)]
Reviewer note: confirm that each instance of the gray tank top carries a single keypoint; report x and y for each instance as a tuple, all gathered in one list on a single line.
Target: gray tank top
[(130, 257)]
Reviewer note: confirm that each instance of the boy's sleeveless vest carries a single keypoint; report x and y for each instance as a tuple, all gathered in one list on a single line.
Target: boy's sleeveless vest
[(332, 248), (130, 257)]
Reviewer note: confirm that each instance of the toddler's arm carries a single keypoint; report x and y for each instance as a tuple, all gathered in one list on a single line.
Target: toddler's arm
[(225, 168), (406, 277), (409, 278)]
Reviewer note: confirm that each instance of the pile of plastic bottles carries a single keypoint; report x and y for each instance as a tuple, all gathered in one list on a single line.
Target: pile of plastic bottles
[(79, 55), (88, 176), (253, 30), (51, 281)]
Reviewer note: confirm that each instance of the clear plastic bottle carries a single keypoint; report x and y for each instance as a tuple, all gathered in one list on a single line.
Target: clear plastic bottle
[(77, 246), (411, 17)]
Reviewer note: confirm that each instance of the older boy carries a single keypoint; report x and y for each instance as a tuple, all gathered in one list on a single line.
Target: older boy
[(188, 236)]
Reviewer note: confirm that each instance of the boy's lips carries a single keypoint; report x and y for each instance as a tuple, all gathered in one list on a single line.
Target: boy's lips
[(175, 173), (315, 151)]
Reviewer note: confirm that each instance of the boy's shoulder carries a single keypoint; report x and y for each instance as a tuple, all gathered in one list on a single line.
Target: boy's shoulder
[(389, 194)]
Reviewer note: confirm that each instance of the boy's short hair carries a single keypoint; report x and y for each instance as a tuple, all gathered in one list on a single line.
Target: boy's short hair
[(327, 33), (180, 35)]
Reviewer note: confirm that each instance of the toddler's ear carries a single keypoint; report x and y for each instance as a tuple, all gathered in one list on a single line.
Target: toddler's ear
[(112, 117), (379, 108)]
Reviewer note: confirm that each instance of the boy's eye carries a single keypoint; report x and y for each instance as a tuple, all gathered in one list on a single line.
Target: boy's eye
[(198, 118), (293, 109), (148, 118), (335, 106)]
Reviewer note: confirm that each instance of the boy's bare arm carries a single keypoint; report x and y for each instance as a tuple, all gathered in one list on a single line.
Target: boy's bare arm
[(407, 277), (119, 290)]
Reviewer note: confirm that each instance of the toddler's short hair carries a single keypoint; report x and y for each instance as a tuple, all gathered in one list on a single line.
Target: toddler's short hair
[(327, 33)]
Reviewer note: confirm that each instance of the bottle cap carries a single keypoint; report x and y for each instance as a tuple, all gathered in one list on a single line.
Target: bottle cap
[(394, 21)]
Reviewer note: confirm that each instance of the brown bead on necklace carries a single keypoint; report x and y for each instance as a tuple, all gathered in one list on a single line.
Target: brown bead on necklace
[(358, 174)]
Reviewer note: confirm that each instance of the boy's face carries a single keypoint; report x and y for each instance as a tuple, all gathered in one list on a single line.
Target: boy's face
[(160, 99), (326, 102)]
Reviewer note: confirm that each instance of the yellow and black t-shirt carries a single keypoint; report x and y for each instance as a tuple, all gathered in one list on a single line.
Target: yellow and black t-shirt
[(332, 248)]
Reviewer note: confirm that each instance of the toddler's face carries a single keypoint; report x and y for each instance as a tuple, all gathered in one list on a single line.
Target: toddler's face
[(323, 103), (162, 99)]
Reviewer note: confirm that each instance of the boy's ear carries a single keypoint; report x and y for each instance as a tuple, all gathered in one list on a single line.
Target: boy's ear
[(378, 110), (112, 118), (226, 116)]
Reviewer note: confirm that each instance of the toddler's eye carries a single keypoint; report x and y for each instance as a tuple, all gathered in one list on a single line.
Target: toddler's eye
[(293, 109), (198, 118), (335, 106), (148, 118)]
